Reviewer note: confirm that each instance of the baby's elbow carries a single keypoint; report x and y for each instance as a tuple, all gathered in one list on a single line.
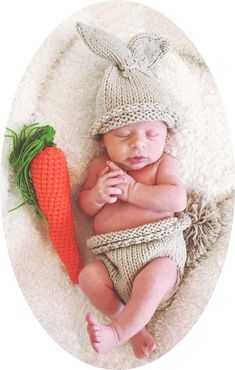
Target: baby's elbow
[(180, 200), (180, 207), (80, 200), (85, 204), (82, 203)]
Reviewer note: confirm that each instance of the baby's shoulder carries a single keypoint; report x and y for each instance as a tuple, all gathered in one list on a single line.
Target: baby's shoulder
[(167, 159), (165, 164), (164, 160), (168, 168)]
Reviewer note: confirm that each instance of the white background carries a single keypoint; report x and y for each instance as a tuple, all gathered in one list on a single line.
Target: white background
[(24, 25)]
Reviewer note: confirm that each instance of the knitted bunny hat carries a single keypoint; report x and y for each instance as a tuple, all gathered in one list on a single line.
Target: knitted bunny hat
[(129, 91)]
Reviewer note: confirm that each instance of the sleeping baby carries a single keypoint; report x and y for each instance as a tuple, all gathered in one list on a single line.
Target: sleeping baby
[(133, 191)]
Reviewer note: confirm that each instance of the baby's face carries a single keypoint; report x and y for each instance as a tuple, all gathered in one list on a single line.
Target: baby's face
[(136, 145)]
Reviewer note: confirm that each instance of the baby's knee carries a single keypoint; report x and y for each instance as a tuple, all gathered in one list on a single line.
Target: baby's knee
[(90, 276), (161, 272), (87, 275)]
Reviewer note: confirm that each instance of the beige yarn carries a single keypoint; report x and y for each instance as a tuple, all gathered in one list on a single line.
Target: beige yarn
[(126, 252), (205, 229), (129, 91)]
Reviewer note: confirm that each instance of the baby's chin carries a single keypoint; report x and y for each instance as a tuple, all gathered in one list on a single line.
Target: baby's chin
[(129, 165)]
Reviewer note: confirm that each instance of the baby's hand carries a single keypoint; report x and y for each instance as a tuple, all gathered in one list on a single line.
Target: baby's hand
[(108, 185), (126, 185)]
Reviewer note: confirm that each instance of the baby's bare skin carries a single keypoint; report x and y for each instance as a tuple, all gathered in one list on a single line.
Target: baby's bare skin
[(123, 215), (134, 183)]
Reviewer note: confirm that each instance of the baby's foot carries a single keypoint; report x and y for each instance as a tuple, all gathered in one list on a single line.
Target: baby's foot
[(103, 338), (143, 343)]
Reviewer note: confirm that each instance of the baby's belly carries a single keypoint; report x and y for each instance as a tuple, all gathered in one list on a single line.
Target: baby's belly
[(122, 215)]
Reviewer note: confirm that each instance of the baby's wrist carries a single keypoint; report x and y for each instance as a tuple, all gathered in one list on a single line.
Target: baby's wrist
[(98, 201), (132, 191)]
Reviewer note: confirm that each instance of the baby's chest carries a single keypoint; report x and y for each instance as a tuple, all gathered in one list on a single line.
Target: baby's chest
[(146, 175)]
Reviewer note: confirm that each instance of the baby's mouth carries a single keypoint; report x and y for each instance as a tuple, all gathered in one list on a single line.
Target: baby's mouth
[(137, 159)]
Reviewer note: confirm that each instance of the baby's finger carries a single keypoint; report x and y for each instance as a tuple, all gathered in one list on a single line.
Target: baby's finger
[(113, 191), (113, 166), (115, 181), (105, 170), (113, 174), (111, 199)]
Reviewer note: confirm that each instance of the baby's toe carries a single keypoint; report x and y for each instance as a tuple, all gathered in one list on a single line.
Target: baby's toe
[(145, 351), (147, 348), (95, 340), (95, 346), (91, 320), (152, 345), (96, 337), (141, 352), (93, 332)]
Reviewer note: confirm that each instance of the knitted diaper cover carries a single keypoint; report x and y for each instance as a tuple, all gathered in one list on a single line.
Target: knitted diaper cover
[(125, 253)]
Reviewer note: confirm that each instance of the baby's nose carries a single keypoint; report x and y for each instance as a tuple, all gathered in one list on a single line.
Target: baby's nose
[(138, 143)]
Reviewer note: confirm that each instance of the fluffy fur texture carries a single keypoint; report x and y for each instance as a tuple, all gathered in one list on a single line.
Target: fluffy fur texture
[(60, 87)]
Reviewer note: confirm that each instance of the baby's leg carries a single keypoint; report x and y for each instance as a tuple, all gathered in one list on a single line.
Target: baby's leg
[(95, 282), (149, 287)]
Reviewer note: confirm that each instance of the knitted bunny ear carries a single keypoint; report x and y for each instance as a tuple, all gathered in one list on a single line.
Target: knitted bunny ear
[(147, 48), (106, 45)]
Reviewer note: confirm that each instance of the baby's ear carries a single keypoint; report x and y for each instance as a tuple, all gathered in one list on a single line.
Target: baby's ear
[(102, 144), (100, 141), (148, 48)]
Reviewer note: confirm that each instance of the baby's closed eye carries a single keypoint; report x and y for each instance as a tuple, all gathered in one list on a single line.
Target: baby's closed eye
[(152, 133), (123, 134)]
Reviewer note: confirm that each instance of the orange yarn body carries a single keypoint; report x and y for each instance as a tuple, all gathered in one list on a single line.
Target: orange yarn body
[(50, 178)]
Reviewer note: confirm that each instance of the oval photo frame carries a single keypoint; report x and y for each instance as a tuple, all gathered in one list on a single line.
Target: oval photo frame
[(49, 93)]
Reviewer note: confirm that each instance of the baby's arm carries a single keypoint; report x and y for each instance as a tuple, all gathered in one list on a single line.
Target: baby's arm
[(99, 190), (167, 195)]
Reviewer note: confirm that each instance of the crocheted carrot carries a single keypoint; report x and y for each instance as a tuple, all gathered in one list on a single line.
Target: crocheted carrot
[(42, 176)]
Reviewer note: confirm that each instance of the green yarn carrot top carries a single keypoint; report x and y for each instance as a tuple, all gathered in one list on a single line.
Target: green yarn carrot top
[(30, 141)]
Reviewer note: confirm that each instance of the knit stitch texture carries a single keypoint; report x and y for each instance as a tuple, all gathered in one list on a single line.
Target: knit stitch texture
[(126, 252), (129, 91)]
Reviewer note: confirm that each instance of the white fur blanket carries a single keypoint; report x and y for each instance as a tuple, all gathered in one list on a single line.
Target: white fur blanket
[(59, 87)]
